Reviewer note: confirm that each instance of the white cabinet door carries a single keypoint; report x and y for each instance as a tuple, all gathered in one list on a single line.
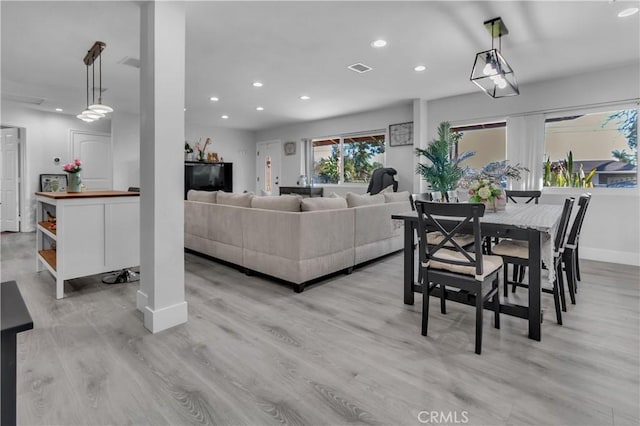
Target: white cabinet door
[(9, 186), (94, 150)]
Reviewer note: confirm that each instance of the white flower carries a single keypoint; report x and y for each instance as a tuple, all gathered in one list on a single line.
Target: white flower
[(484, 193), (475, 185)]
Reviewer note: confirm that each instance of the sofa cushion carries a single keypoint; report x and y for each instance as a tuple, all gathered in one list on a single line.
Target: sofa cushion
[(356, 200), (239, 200), (284, 203), (393, 197), (202, 196), (321, 203)]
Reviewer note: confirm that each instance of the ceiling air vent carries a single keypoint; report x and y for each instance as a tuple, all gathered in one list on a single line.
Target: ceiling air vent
[(129, 61), (360, 68)]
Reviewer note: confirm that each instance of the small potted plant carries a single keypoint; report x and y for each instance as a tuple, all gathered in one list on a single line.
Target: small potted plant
[(188, 151), (487, 192)]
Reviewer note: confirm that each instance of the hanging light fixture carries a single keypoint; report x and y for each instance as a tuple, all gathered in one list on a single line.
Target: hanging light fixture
[(96, 110), (491, 72)]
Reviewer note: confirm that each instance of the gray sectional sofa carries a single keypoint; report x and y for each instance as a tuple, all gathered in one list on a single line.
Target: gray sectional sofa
[(291, 238)]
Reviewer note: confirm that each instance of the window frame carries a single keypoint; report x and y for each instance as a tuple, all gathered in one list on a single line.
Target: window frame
[(341, 138)]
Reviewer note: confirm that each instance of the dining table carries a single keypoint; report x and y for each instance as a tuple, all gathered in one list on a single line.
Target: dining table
[(534, 223)]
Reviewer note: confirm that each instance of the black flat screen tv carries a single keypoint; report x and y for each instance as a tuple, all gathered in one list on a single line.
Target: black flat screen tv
[(204, 176)]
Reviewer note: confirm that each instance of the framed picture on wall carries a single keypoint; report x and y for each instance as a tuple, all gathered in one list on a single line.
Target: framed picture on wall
[(401, 134), (53, 183)]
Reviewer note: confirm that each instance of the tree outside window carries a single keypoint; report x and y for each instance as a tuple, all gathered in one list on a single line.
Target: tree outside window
[(348, 159)]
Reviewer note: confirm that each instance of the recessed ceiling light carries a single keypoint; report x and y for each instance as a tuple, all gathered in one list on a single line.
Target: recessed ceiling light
[(419, 68), (305, 97), (257, 84), (214, 99), (59, 109), (259, 108), (378, 43), (628, 12), (185, 109), (224, 117)]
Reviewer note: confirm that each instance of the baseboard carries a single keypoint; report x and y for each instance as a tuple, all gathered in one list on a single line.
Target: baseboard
[(164, 318), (612, 256)]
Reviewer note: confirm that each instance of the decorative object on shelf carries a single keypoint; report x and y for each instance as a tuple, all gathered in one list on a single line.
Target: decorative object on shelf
[(491, 72), (202, 149), (213, 157), (401, 134), (188, 151), (96, 110), (74, 179), (487, 192), (444, 172), (289, 148), (53, 183)]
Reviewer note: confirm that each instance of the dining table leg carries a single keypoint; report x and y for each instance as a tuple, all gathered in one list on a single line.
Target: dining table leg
[(535, 289), (408, 262)]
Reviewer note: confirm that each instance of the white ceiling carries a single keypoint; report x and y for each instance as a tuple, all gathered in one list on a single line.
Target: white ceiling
[(297, 48)]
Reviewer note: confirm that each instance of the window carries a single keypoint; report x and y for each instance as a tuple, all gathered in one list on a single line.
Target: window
[(488, 141), (603, 147), (347, 159)]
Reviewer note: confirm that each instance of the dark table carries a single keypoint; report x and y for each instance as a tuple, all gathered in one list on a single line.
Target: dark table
[(528, 223), (305, 191), (14, 319)]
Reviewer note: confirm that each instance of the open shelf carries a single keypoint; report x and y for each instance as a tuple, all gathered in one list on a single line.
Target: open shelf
[(46, 226), (49, 256)]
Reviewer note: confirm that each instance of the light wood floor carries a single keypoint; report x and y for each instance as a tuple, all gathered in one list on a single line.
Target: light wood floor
[(342, 352)]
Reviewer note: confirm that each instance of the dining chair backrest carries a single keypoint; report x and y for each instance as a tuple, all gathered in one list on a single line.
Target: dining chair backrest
[(458, 216), (436, 196), (574, 233), (418, 197), (452, 196), (529, 195), (561, 231)]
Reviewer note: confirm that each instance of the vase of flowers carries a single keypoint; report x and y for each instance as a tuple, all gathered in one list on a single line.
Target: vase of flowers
[(202, 149), (486, 192), (73, 173)]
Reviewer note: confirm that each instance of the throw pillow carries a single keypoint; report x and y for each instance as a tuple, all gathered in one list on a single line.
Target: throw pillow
[(202, 196), (284, 203), (322, 203), (356, 200), (394, 197), (239, 200)]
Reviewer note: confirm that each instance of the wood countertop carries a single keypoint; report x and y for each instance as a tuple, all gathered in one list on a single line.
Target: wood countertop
[(87, 194)]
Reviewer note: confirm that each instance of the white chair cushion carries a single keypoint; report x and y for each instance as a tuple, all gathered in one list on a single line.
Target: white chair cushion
[(434, 238), (490, 264), (512, 248)]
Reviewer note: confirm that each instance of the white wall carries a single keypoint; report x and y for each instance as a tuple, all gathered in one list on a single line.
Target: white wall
[(125, 136), (398, 157), (611, 231), (235, 146), (47, 136)]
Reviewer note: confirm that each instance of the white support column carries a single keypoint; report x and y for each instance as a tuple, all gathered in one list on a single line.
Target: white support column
[(162, 91), (419, 140)]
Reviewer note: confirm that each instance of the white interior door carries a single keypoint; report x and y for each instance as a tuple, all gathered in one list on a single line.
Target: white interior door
[(94, 149), (268, 167), (9, 186)]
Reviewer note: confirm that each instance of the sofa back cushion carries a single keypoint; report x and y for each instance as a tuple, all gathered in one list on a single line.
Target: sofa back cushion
[(321, 203), (394, 197), (238, 200), (356, 200), (202, 196), (283, 203)]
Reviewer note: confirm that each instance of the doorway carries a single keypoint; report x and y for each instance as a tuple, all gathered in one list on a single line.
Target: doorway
[(10, 184), (268, 167), (94, 149)]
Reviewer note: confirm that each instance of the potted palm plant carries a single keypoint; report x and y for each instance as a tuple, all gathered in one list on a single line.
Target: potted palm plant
[(444, 172)]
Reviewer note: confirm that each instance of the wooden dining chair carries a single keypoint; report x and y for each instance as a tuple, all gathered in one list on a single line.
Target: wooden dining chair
[(570, 254), (519, 196), (517, 253), (449, 265)]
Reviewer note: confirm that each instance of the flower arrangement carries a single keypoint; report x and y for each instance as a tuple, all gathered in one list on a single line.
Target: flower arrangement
[(482, 190), (202, 149), (73, 167)]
